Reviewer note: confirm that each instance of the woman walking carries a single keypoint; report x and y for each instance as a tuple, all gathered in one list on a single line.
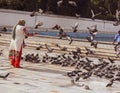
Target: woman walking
[(15, 49)]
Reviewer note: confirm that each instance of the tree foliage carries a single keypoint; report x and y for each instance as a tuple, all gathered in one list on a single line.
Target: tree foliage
[(65, 7)]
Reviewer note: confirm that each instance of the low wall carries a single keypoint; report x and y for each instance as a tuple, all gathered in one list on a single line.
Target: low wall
[(11, 17)]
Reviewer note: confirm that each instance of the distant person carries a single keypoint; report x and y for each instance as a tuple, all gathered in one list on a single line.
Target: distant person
[(117, 40), (18, 36)]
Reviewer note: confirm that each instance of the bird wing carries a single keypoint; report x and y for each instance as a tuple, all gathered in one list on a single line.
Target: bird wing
[(98, 14), (76, 25), (92, 13), (73, 3), (117, 15), (73, 27), (59, 3)]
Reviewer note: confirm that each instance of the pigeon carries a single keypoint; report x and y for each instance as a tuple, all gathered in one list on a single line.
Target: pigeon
[(94, 44), (62, 48), (49, 48), (86, 87), (117, 16), (110, 84), (117, 79), (75, 26), (93, 30), (69, 38), (78, 50), (62, 34), (111, 60), (94, 15), (5, 76), (90, 39), (56, 27), (4, 29), (89, 51), (33, 14), (40, 11), (101, 59), (77, 15), (59, 3), (38, 48), (72, 3), (77, 77), (88, 60), (38, 24)]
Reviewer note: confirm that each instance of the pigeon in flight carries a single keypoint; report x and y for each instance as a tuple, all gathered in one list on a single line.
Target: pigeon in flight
[(93, 30), (62, 34), (117, 16), (56, 27), (35, 13), (38, 24), (75, 26), (94, 15)]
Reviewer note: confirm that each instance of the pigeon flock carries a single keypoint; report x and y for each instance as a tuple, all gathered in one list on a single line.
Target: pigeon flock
[(84, 67), (75, 26), (92, 29)]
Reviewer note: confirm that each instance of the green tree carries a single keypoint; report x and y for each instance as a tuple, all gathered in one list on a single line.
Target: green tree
[(66, 8)]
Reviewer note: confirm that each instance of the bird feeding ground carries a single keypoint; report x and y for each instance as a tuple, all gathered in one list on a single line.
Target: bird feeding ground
[(43, 78), (47, 78)]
